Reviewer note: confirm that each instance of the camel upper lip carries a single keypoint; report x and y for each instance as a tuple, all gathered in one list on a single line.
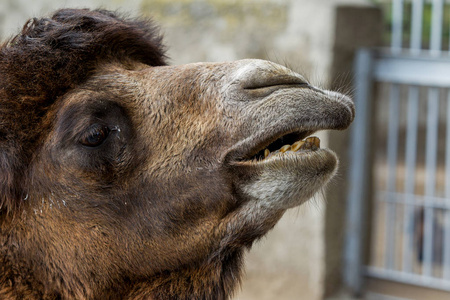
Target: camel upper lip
[(276, 136)]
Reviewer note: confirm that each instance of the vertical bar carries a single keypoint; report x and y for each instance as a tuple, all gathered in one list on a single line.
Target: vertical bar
[(358, 181), (397, 26), (436, 27), (430, 180), (410, 163), (446, 250), (391, 205), (416, 26), (448, 14), (446, 261), (411, 142)]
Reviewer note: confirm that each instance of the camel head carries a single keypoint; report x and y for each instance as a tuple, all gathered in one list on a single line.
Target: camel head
[(123, 177)]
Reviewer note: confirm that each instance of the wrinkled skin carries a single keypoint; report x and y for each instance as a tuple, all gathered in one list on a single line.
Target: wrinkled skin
[(164, 206)]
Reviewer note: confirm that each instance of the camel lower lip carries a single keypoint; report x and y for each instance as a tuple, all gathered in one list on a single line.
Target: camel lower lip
[(294, 159)]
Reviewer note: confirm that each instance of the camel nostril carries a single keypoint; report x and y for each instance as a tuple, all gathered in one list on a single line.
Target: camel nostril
[(264, 78), (261, 74), (274, 82), (266, 85), (266, 88)]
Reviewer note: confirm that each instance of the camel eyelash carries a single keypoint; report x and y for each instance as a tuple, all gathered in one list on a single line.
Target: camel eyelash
[(96, 134)]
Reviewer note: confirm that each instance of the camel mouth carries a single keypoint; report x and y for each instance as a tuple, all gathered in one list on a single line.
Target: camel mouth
[(296, 142), (287, 146), (285, 171), (264, 148), (289, 139)]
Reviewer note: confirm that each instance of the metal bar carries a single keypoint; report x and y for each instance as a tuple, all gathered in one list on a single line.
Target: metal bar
[(436, 27), (413, 70), (408, 278), (416, 27), (358, 183), (446, 249), (430, 180), (397, 26), (414, 200), (392, 146), (410, 163), (446, 261)]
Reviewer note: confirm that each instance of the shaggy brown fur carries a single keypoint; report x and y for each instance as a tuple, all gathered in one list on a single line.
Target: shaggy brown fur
[(49, 57), (124, 178)]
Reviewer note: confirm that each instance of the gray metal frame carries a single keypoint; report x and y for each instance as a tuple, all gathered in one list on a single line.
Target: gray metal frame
[(358, 175)]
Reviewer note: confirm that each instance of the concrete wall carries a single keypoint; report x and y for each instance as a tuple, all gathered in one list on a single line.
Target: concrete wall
[(301, 257)]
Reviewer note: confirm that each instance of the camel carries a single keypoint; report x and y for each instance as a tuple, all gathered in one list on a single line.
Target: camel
[(122, 177)]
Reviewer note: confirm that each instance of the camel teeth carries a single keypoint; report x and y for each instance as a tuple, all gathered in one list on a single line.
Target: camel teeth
[(285, 148), (297, 145), (314, 141), (310, 143)]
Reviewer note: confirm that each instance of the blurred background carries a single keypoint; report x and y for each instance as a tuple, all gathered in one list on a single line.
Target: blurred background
[(381, 229)]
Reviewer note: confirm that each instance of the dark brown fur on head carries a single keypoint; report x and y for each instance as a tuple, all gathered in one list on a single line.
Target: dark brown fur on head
[(124, 178), (49, 57)]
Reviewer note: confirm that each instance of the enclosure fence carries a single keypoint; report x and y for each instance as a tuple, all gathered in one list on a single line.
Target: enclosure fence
[(401, 152)]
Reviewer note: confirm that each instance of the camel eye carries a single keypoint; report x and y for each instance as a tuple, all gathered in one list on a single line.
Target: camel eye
[(95, 135)]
